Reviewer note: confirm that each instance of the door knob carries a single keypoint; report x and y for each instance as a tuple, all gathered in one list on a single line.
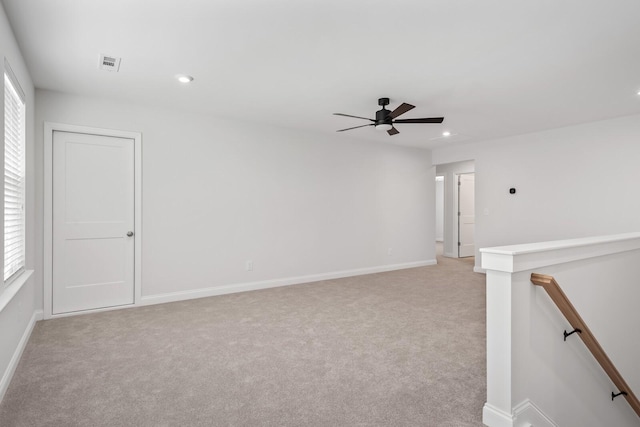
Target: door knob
[(129, 233)]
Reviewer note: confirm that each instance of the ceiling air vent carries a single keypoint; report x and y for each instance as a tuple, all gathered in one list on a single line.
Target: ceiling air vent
[(109, 63)]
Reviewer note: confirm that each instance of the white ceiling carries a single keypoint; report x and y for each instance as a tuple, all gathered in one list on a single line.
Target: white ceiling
[(493, 67)]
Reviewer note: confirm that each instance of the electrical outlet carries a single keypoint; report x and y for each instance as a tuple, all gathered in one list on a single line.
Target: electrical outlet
[(249, 265), (390, 251)]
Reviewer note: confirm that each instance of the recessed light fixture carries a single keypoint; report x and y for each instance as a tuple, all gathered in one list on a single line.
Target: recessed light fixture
[(183, 78), (446, 133)]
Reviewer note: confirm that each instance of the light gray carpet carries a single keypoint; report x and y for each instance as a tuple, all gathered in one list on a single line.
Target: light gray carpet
[(404, 348)]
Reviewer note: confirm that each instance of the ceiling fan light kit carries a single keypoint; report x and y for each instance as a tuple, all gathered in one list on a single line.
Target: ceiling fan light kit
[(386, 119)]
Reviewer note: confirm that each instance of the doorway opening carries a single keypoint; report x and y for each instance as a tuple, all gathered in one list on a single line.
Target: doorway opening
[(450, 173), (466, 215), (440, 208)]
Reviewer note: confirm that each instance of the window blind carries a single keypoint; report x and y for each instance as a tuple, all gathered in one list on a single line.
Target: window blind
[(14, 179)]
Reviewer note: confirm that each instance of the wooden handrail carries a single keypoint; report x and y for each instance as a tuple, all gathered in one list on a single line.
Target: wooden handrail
[(569, 311)]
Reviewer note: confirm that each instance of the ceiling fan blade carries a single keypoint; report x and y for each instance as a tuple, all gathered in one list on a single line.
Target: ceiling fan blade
[(425, 120), (355, 127), (355, 117), (403, 108), (393, 131)]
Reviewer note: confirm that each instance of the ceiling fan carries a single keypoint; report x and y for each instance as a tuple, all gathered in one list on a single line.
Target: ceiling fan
[(385, 119)]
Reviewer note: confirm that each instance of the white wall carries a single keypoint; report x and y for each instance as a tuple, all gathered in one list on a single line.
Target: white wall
[(449, 172), (527, 359), (217, 193), (18, 313), (571, 182)]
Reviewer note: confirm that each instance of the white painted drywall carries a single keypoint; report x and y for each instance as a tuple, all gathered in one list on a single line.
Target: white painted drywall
[(15, 317), (449, 171), (439, 208), (217, 193), (527, 358), (572, 182)]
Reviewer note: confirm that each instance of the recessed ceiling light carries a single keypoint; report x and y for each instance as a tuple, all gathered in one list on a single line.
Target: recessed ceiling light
[(446, 133), (183, 78)]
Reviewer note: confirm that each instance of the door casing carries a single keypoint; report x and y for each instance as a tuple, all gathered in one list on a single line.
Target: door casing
[(49, 128), (459, 212)]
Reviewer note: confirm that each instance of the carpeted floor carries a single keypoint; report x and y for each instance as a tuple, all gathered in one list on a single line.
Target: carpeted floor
[(403, 348)]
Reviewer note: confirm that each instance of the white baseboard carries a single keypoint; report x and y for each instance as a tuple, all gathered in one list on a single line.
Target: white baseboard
[(494, 417), (17, 354), (528, 414), (525, 414), (252, 286), (477, 269)]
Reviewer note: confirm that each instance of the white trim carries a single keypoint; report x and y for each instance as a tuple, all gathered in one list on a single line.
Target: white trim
[(49, 128), (92, 311), (515, 258), (456, 202), (494, 417), (477, 269), (17, 354), (137, 280), (14, 80), (499, 291), (13, 288), (528, 414), (456, 219), (251, 286)]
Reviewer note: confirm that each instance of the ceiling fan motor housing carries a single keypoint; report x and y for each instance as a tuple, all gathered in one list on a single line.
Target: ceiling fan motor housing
[(382, 116)]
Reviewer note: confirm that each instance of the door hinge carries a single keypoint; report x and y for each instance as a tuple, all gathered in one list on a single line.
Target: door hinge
[(459, 244), (458, 213)]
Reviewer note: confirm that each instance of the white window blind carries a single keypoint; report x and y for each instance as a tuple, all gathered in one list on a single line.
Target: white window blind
[(14, 177)]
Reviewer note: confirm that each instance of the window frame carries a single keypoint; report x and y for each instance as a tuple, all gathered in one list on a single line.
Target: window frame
[(16, 91)]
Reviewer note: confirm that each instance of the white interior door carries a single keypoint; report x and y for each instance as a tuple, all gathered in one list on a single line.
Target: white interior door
[(93, 222), (466, 217)]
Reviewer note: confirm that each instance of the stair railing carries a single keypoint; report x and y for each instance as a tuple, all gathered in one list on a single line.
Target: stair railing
[(553, 289)]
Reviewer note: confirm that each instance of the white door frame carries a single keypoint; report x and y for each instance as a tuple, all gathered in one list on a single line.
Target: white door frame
[(455, 220), (49, 128), (457, 210), (443, 207)]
